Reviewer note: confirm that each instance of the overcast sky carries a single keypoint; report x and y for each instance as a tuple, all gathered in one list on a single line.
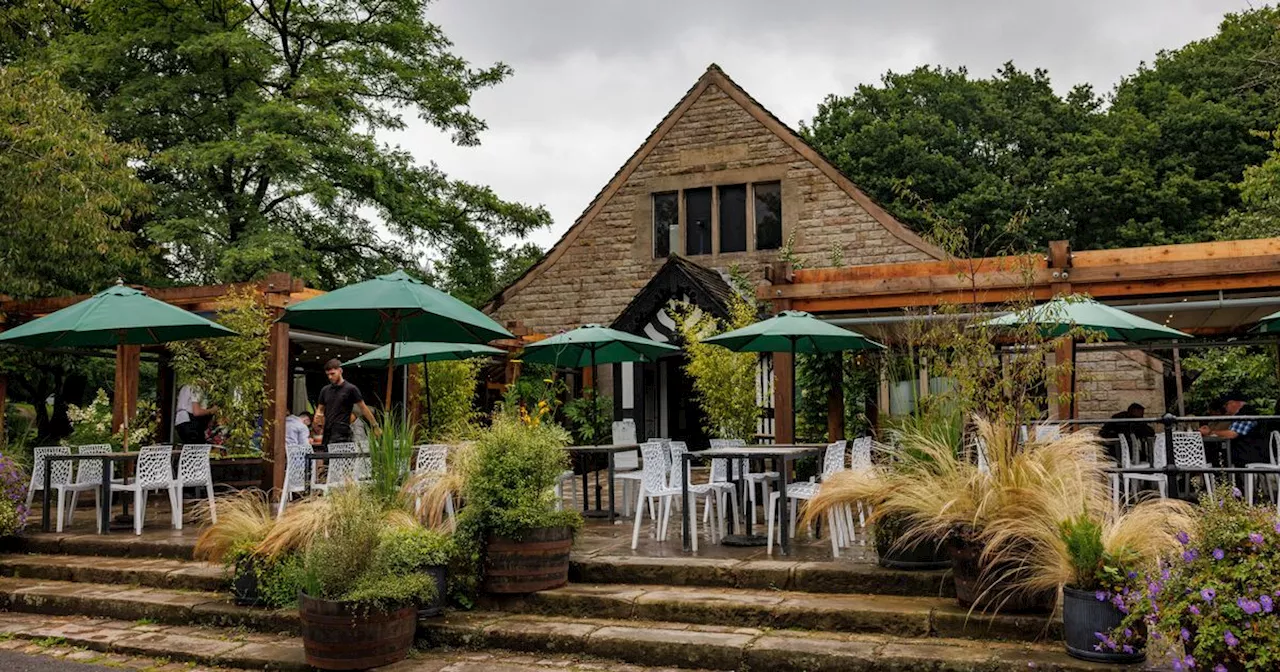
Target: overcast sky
[(593, 77)]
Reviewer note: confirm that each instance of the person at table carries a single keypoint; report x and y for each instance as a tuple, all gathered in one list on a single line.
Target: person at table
[(1248, 438), (192, 417), (297, 429), (338, 401), (1132, 430)]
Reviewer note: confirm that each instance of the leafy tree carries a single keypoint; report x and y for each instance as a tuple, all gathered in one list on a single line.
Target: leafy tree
[(452, 391), (723, 380), (480, 266), (1249, 370), (27, 26), (261, 119), (67, 193)]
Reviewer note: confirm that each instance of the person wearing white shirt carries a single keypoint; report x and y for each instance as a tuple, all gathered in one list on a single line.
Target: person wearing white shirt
[(192, 415), (297, 429)]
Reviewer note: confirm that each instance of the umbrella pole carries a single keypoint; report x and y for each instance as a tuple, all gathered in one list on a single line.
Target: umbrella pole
[(426, 390), (1073, 379), (391, 365), (795, 413)]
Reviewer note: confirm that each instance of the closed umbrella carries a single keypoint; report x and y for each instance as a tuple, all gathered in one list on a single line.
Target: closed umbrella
[(114, 317), (1061, 315), (392, 308), (419, 352), (793, 331)]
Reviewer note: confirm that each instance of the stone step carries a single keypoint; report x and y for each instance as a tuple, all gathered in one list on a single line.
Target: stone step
[(150, 544), (813, 577), (133, 603), (744, 648), (148, 572), (883, 614)]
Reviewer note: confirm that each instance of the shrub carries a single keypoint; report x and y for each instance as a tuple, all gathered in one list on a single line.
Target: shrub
[(591, 418), (13, 497), (724, 381), (452, 390), (1215, 604)]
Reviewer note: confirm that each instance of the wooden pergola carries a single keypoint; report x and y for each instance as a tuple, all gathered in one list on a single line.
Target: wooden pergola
[(278, 290), (1232, 271)]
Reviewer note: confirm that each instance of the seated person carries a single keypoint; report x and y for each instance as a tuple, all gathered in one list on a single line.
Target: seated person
[(1132, 429), (1249, 440)]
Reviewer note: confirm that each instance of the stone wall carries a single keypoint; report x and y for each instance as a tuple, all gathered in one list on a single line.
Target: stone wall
[(716, 141), (1108, 381)]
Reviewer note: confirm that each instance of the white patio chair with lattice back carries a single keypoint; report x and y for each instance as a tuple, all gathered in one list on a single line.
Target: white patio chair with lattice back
[(1268, 478), (677, 450), (295, 473), (626, 466), (834, 460), (1045, 431), (154, 472), (656, 486), (718, 487), (59, 471), (753, 478), (88, 477), (1158, 461), (860, 460), (342, 471), (1188, 452), (194, 471), (1125, 458), (431, 464)]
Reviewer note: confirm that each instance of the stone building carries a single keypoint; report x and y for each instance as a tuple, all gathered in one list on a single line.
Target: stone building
[(719, 183)]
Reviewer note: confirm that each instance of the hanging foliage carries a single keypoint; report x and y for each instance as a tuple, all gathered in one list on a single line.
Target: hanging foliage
[(231, 371)]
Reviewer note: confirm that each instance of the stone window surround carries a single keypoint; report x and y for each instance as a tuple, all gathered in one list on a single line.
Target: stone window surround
[(643, 215)]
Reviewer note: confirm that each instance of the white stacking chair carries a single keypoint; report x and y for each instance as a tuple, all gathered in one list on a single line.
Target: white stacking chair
[(833, 461), (656, 485), (88, 477), (675, 480), (154, 472), (295, 474), (1044, 432), (432, 463), (59, 473), (626, 466), (1159, 461), (1270, 479), (762, 479), (342, 471), (718, 488), (860, 460), (1188, 451), (194, 471)]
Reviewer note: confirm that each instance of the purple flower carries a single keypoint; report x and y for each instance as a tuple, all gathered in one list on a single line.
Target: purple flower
[(1235, 492), (1208, 594), (1277, 528), (1190, 556), (1267, 603), (1218, 554), (1101, 595), (1127, 648), (1195, 611), (1249, 607), (1186, 635), (1256, 538), (1230, 639), (1184, 539), (1219, 668)]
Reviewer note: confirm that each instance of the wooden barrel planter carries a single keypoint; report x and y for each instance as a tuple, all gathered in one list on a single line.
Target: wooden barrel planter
[(921, 556), (345, 636), (537, 561), (967, 569)]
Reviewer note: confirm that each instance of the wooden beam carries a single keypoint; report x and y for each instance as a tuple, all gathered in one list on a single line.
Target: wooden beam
[(277, 383), (125, 402), (413, 395), (784, 430)]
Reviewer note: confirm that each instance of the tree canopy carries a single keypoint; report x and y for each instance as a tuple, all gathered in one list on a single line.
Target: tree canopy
[(1154, 162)]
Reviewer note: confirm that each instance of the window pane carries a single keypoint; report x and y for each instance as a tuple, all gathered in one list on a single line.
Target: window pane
[(666, 214), (733, 218), (768, 215), (697, 217)]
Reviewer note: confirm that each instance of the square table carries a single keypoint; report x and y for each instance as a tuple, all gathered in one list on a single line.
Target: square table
[(612, 451), (325, 456), (104, 503), (781, 455)]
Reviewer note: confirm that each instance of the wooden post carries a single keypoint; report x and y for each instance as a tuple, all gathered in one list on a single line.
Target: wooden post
[(413, 395), (784, 430), (277, 383), (1060, 265), (165, 400), (125, 403), (1177, 379), (835, 403)]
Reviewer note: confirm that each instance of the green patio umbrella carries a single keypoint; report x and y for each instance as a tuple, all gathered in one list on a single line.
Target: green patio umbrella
[(1060, 315), (1269, 324), (793, 331), (392, 308), (416, 352), (114, 317)]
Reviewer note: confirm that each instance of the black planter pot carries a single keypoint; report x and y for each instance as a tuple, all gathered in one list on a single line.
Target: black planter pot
[(436, 607), (1083, 615), (971, 591), (921, 556), (245, 586)]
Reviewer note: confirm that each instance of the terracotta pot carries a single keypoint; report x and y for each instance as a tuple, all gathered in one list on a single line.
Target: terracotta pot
[(539, 560), (1083, 615), (972, 592), (346, 636)]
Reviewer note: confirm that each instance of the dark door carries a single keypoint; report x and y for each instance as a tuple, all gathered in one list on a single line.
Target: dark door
[(684, 414)]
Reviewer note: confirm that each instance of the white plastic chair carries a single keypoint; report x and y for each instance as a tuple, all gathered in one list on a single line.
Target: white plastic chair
[(1044, 432), (762, 479), (860, 460), (154, 472), (194, 471), (1268, 479), (833, 461), (433, 462), (342, 471), (626, 466), (88, 477), (1188, 451), (295, 474), (1158, 459), (719, 487), (59, 473), (656, 485)]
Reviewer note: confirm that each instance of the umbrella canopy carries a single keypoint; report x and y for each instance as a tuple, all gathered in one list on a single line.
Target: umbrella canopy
[(593, 344), (115, 316), (394, 307), (793, 331), (1269, 324), (1061, 315), (415, 352)]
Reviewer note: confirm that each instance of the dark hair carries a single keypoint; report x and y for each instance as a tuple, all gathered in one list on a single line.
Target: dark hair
[(304, 414), (332, 364), (1136, 405)]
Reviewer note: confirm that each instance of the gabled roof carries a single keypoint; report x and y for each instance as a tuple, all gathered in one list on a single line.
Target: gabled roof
[(715, 76), (676, 279)]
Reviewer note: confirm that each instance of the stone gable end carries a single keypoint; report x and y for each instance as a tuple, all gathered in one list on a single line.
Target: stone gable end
[(715, 142)]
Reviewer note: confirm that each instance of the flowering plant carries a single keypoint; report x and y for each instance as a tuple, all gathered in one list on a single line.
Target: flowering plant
[(13, 491), (1215, 604), (92, 423)]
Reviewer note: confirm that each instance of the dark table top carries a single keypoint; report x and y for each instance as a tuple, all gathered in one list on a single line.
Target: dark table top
[(604, 448), (776, 450)]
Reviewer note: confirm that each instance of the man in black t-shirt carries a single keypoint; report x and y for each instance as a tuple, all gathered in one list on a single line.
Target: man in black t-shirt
[(338, 400)]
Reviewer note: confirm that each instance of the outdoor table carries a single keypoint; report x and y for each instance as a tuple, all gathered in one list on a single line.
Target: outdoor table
[(611, 450), (324, 456), (104, 503), (781, 455)]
